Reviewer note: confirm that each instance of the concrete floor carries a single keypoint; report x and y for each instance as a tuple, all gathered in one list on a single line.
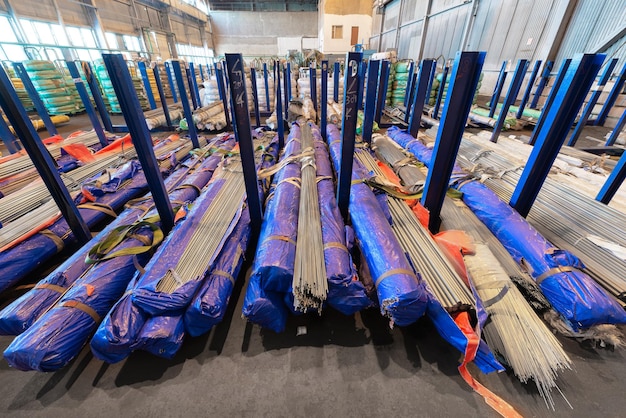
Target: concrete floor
[(343, 366)]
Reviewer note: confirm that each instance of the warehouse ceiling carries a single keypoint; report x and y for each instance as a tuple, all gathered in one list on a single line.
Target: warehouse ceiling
[(264, 5)]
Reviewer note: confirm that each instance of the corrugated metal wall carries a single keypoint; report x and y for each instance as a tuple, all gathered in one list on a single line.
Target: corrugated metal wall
[(445, 28)]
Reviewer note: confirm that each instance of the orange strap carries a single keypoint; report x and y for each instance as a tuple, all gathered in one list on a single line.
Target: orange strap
[(493, 400)]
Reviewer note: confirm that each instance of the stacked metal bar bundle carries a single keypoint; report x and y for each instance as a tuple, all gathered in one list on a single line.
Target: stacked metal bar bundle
[(71, 315), (156, 118), (557, 272), (161, 294), (210, 117)]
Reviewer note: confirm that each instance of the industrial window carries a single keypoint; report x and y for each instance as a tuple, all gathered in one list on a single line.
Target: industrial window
[(337, 32)]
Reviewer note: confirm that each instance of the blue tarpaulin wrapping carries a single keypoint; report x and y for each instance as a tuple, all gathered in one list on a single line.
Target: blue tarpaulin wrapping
[(57, 337), (572, 293), (402, 297)]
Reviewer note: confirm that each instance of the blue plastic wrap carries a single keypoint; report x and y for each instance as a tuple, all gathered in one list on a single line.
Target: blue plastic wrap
[(575, 295), (162, 335), (402, 297)]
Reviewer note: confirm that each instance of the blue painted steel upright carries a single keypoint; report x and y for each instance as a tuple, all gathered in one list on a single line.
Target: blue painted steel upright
[(411, 95), (382, 90), (614, 181), (617, 130), (409, 85), (348, 130), (243, 133), (279, 109), (569, 97), (421, 91), (289, 96), (529, 87), (84, 96), (324, 99), (200, 69), (133, 114), (362, 70), (336, 82), (255, 97), (166, 111), (495, 98), (193, 86), (545, 76), (610, 100), (170, 79), (146, 84), (268, 106), (42, 160), (193, 133), (463, 81), (190, 85), (509, 99), (584, 117), (222, 92), (8, 138), (313, 86), (37, 102), (370, 100), (286, 91), (97, 96), (442, 89), (550, 99), (431, 78)]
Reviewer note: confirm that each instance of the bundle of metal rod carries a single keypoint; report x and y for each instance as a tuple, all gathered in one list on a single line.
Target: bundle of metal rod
[(58, 335), (210, 118), (310, 286), (514, 330), (405, 166), (156, 118), (43, 216)]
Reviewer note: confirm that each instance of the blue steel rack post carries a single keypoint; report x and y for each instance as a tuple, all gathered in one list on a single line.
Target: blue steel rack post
[(584, 117), (442, 89), (545, 76), (431, 78), (42, 160), (529, 87), (348, 130), (324, 99), (614, 181), (370, 100), (166, 111), (495, 97), (84, 96), (146, 84), (382, 90), (8, 138), (286, 91), (362, 70), (170, 80), (268, 106), (37, 102), (617, 130), (463, 81), (255, 97), (313, 86), (336, 82), (409, 85), (421, 89), (136, 122), (288, 80), (411, 94), (219, 76), (568, 99), (243, 134), (193, 86), (279, 108), (97, 97), (548, 104), (193, 133), (610, 100), (509, 99)]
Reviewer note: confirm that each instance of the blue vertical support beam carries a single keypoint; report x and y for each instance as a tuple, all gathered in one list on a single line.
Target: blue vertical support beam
[(509, 99), (529, 87), (463, 81), (193, 86), (411, 94), (8, 138), (190, 84), (610, 100), (382, 90), (201, 72), (268, 106), (613, 183), (584, 117), (617, 130), (409, 86), (170, 79), (279, 109), (42, 160), (227, 90), (495, 97), (336, 82), (421, 92), (286, 92), (37, 102), (545, 76), (370, 99), (146, 84), (222, 92), (243, 134), (97, 96), (166, 111), (193, 133), (362, 70), (442, 89), (255, 97), (431, 78), (136, 122), (313, 86), (288, 81), (84, 96), (324, 99), (569, 97), (348, 130), (550, 99)]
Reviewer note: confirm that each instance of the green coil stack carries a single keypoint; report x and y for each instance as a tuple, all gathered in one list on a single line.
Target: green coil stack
[(50, 84), (19, 88), (400, 82), (108, 92)]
